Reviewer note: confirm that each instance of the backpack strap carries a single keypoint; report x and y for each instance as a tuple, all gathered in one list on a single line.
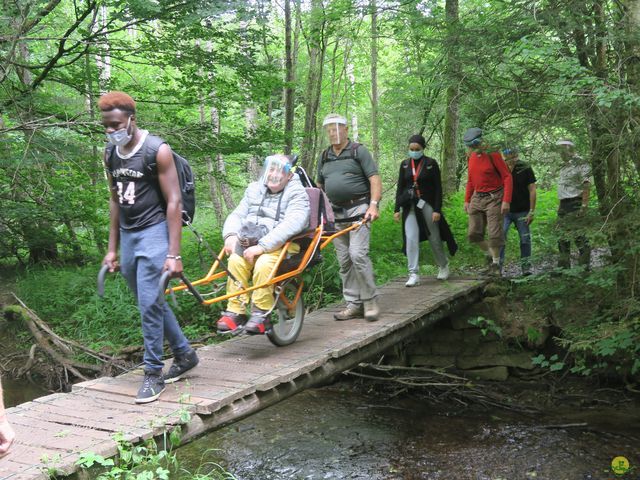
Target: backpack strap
[(353, 150), (109, 150), (151, 146), (490, 159)]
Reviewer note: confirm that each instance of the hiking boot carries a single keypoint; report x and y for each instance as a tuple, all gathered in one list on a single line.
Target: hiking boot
[(181, 365), (494, 270), (152, 387), (230, 322), (371, 310), (414, 279), (443, 272), (352, 310), (259, 322)]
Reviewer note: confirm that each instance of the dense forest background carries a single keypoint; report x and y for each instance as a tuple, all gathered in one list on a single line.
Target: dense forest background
[(228, 82)]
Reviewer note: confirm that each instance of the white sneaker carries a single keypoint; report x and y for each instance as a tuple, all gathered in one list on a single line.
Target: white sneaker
[(414, 279), (443, 272)]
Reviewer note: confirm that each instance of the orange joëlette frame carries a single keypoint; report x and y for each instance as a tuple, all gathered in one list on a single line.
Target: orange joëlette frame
[(319, 240)]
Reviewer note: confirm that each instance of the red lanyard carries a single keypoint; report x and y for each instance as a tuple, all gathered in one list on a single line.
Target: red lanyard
[(415, 176)]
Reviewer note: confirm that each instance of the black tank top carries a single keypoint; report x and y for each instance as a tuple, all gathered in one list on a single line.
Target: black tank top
[(137, 191)]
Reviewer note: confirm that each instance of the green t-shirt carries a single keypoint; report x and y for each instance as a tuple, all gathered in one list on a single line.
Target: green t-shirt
[(345, 178)]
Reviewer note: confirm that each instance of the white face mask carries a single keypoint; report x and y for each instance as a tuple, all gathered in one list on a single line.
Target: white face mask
[(120, 137)]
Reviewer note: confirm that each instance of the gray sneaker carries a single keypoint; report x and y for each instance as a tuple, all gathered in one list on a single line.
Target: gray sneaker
[(181, 365), (152, 387), (351, 311)]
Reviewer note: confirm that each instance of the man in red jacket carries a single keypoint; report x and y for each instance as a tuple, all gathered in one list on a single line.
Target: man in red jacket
[(487, 198)]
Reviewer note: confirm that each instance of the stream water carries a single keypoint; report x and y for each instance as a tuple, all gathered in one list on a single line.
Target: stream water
[(20, 391), (334, 433)]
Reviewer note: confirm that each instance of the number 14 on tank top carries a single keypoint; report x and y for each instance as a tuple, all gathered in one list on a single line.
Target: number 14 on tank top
[(129, 194)]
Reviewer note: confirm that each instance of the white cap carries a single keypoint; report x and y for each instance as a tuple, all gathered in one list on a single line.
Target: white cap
[(565, 142), (334, 118)]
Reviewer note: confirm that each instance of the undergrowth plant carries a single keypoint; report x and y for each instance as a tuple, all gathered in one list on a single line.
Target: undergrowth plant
[(147, 462)]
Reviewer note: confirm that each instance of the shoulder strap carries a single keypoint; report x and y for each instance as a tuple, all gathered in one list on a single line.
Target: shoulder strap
[(151, 146), (354, 150), (109, 151), (324, 156), (278, 209)]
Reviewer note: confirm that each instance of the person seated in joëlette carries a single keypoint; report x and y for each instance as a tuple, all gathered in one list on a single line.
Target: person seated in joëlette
[(273, 210)]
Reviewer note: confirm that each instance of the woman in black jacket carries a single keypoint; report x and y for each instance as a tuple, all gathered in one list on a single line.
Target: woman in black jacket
[(419, 198)]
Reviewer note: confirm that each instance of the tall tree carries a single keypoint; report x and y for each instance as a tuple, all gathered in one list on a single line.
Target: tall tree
[(375, 143), (316, 46), (289, 80), (450, 135)]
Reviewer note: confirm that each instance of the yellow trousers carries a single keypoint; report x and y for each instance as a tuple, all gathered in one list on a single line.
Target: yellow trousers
[(258, 273)]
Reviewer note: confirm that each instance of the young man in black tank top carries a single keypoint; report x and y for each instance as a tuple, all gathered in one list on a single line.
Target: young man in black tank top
[(146, 221)]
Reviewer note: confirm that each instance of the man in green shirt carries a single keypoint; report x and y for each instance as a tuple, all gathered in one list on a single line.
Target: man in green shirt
[(349, 176)]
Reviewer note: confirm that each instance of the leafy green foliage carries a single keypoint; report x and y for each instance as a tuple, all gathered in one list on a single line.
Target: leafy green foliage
[(552, 363), (486, 326), (144, 462)]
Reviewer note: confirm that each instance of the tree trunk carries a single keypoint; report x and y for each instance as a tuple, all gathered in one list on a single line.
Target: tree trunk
[(450, 140), (354, 134), (316, 47), (289, 80), (251, 116), (103, 57), (375, 144), (221, 172), (632, 47)]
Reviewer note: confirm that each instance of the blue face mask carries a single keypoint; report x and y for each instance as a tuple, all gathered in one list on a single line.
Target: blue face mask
[(416, 155)]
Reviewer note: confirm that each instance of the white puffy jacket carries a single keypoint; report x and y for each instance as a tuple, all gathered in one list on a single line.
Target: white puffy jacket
[(258, 205)]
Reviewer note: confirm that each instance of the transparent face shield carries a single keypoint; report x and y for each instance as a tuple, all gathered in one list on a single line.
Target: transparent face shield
[(276, 172), (333, 127)]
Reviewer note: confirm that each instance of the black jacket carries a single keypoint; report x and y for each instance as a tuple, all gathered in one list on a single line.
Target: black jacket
[(430, 186)]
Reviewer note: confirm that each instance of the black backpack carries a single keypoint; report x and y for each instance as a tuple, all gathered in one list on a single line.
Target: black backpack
[(185, 174)]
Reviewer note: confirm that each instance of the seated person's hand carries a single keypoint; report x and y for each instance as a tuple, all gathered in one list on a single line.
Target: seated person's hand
[(396, 217), (230, 244), (251, 253)]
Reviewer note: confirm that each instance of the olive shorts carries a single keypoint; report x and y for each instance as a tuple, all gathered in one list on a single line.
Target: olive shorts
[(484, 214)]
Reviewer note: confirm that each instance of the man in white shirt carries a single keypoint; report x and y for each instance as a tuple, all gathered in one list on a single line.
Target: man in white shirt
[(573, 192)]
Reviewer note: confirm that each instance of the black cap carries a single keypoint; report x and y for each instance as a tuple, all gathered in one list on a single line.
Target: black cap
[(419, 139)]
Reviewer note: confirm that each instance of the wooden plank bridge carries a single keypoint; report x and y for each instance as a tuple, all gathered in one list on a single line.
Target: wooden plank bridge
[(234, 379)]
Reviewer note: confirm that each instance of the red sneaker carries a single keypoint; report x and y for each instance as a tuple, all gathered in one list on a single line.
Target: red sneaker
[(230, 322), (259, 323)]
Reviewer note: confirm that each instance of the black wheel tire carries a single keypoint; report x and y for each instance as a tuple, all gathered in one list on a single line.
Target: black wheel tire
[(288, 325)]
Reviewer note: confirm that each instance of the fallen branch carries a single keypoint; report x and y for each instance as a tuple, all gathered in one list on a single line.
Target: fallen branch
[(63, 343), (58, 348), (449, 385)]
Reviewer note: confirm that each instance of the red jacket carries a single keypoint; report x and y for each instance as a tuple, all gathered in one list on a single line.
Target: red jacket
[(487, 174)]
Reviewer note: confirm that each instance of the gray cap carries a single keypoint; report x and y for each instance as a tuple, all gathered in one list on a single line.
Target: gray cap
[(471, 134), (565, 142)]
